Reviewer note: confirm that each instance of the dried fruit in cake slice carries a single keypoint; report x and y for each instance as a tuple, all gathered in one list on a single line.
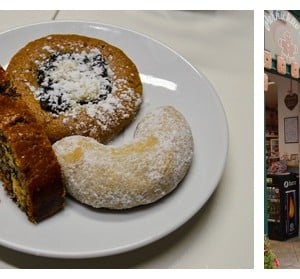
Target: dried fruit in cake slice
[(29, 169)]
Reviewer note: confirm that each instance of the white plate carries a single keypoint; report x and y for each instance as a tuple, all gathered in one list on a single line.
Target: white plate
[(79, 231)]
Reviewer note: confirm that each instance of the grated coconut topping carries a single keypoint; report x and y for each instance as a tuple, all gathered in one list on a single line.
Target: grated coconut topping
[(70, 83)]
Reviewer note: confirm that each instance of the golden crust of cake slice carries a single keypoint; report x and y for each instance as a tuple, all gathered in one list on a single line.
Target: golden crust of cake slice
[(29, 169)]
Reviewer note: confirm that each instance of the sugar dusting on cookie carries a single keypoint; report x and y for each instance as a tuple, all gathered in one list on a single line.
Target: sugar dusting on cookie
[(138, 172)]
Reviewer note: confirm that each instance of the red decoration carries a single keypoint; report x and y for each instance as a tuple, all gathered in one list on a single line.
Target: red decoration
[(295, 70), (267, 59), (281, 65), (266, 82)]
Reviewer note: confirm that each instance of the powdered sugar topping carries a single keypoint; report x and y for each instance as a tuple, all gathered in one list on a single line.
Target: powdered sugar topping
[(139, 172), (69, 79), (70, 83)]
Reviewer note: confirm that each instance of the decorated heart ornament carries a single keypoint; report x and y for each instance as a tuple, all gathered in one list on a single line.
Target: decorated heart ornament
[(291, 100)]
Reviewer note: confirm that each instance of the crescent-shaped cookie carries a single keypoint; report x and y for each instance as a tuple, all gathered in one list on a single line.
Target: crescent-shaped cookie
[(136, 173)]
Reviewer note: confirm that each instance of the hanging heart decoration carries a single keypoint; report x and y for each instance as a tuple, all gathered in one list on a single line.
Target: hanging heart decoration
[(291, 99)]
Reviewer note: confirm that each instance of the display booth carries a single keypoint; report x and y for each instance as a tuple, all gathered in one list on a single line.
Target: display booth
[(282, 110)]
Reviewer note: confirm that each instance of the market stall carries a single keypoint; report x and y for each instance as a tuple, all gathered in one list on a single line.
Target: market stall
[(281, 86)]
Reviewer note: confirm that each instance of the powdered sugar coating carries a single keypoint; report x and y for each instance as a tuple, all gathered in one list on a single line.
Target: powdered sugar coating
[(76, 85), (68, 80), (136, 173)]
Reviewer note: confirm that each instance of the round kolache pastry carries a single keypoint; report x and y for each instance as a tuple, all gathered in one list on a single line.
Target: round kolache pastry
[(139, 172), (77, 85)]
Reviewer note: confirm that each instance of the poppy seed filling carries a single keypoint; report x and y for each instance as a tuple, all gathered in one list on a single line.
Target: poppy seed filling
[(70, 79)]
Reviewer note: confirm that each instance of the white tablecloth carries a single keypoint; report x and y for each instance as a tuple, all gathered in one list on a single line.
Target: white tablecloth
[(220, 45)]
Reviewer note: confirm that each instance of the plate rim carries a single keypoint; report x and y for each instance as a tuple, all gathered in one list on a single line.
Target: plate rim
[(151, 239)]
